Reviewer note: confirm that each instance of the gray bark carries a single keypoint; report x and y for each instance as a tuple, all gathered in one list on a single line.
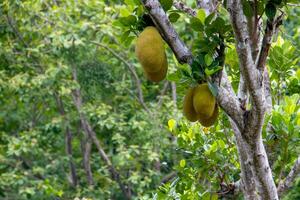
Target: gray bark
[(174, 95)]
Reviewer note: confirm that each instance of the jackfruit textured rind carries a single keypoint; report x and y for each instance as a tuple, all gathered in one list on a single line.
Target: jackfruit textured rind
[(158, 76), (204, 101), (150, 50), (207, 122), (188, 108)]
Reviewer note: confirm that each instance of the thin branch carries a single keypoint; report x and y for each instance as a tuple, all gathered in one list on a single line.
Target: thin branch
[(293, 4), (181, 6), (168, 177), (162, 93), (174, 95), (132, 71), (267, 41), (267, 91), (287, 183)]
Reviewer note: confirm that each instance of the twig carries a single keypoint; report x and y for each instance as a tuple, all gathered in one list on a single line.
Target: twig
[(132, 71), (267, 41), (162, 93), (287, 183), (181, 6)]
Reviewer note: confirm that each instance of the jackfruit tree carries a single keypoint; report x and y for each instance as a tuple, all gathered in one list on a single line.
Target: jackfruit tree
[(247, 107)]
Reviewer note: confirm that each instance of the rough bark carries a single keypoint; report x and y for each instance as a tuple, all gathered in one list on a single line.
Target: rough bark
[(251, 133), (181, 6)]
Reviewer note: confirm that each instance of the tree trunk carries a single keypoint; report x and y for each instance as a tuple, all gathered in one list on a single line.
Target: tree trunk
[(68, 142), (87, 147), (256, 175)]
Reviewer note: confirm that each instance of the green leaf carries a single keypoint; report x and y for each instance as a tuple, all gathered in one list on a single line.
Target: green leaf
[(125, 35), (182, 163), (174, 76), (214, 197), (209, 18), (128, 21), (173, 17), (210, 72), (208, 59), (171, 124), (260, 7), (201, 15), (270, 10), (166, 4), (247, 8), (213, 88), (196, 24)]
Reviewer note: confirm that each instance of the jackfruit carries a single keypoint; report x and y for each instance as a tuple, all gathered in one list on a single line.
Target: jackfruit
[(211, 120), (157, 76), (150, 51), (188, 107), (203, 101)]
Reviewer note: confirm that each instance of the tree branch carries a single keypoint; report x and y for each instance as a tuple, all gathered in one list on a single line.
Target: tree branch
[(132, 71), (287, 183), (160, 18), (252, 77), (181, 6), (174, 95), (162, 93), (267, 41)]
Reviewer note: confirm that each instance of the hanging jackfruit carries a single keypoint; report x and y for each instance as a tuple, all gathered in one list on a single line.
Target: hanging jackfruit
[(211, 120), (157, 76), (151, 54), (199, 104), (204, 101), (188, 108)]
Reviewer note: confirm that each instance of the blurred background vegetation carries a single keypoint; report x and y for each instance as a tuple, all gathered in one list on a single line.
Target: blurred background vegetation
[(65, 63)]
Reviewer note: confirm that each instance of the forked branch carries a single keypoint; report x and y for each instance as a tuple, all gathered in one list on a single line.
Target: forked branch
[(226, 99)]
